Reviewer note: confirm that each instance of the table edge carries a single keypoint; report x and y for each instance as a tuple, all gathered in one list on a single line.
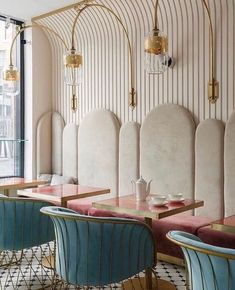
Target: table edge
[(156, 215)]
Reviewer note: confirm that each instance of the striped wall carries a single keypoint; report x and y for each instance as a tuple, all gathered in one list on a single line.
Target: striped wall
[(105, 52)]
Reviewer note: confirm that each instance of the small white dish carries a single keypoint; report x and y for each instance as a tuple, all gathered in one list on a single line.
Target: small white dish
[(175, 196), (182, 199), (158, 198), (155, 203)]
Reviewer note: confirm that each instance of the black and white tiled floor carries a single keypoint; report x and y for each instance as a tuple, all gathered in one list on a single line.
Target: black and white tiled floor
[(169, 272)]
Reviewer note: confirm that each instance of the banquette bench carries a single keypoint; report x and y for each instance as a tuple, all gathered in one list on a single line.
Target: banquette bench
[(167, 148)]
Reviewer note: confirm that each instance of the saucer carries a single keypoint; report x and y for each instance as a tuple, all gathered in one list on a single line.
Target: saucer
[(154, 203), (182, 199)]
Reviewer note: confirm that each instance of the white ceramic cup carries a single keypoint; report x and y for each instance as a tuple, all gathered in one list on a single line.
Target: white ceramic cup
[(158, 199), (175, 196)]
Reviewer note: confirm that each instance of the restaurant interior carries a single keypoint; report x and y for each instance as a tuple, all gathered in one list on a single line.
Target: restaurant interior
[(117, 144)]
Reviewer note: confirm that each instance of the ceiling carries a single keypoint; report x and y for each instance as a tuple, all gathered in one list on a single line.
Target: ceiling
[(26, 9)]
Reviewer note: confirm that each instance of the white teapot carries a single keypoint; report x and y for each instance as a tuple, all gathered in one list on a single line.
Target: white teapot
[(142, 188)]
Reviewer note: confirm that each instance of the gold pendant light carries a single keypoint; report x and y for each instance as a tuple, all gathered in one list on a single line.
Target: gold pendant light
[(157, 59)]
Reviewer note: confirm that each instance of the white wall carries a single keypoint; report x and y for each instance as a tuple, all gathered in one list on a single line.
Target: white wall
[(38, 88)]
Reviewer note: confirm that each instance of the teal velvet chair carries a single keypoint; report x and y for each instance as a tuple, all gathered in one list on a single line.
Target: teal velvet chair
[(22, 227), (209, 267), (94, 251)]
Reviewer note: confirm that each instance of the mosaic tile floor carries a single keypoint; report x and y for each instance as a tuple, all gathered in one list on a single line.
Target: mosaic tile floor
[(172, 273)]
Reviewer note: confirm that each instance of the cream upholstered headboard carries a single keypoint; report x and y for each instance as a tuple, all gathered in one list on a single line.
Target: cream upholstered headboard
[(49, 143), (98, 137), (166, 148)]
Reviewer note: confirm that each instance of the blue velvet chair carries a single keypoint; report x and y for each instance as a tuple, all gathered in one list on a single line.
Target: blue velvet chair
[(209, 267), (94, 251), (22, 227)]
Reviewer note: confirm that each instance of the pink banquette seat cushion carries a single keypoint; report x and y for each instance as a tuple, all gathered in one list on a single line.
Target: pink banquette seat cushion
[(82, 205), (217, 238), (182, 222)]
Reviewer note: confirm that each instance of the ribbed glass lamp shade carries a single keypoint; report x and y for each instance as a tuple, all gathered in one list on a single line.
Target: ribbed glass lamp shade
[(156, 63), (156, 52), (72, 68), (11, 80)]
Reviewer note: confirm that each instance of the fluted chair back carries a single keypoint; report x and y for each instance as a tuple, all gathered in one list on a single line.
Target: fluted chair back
[(209, 267), (94, 251), (22, 225)]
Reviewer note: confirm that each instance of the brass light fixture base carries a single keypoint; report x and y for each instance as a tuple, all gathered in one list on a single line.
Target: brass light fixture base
[(156, 43), (213, 91), (73, 59), (11, 74)]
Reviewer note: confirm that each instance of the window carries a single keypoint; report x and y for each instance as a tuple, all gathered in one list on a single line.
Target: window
[(11, 105)]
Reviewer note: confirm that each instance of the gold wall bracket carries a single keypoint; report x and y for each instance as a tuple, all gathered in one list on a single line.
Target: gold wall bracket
[(74, 103), (213, 91), (132, 99)]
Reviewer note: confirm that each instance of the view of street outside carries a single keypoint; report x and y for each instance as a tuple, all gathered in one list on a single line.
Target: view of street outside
[(9, 148)]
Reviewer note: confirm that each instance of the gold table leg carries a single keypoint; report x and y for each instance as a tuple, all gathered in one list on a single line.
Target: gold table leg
[(6, 192), (140, 284), (150, 282)]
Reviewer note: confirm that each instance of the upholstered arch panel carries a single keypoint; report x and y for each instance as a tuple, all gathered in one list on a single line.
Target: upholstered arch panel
[(70, 150), (167, 150), (44, 141), (98, 145), (209, 173), (49, 143), (128, 156), (229, 166), (57, 141)]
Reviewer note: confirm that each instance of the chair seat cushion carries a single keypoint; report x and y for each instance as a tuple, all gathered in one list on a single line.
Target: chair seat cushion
[(161, 227), (216, 238)]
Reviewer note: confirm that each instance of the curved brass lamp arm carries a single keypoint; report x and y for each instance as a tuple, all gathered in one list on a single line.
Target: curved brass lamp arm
[(31, 26), (211, 37), (132, 101), (155, 15), (213, 86)]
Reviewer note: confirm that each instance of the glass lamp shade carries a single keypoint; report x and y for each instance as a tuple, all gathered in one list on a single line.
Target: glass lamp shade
[(156, 63), (72, 68), (11, 80), (156, 52)]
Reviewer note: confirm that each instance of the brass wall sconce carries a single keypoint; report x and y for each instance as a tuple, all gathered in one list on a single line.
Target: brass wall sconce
[(73, 60), (158, 60), (11, 75)]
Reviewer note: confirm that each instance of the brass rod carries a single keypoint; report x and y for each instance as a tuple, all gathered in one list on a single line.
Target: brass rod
[(132, 92), (60, 10), (155, 15), (32, 26), (212, 44)]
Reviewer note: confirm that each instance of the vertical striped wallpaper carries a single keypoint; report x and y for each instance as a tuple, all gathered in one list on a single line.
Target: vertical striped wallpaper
[(104, 47)]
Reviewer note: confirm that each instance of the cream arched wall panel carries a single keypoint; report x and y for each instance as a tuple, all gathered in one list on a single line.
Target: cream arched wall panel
[(105, 51)]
